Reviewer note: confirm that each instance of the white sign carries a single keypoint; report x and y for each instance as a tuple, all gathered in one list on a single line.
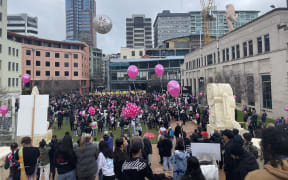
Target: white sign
[(211, 149), (24, 122)]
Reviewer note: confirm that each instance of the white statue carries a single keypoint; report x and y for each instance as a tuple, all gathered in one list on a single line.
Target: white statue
[(230, 16), (222, 107)]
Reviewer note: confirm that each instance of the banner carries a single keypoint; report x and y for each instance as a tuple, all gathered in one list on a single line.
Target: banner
[(203, 149)]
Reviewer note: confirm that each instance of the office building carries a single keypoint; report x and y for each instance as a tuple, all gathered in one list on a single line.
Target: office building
[(252, 58), (96, 69), (79, 21), (147, 79), (55, 66), (138, 32), (171, 25), (10, 73), (22, 24)]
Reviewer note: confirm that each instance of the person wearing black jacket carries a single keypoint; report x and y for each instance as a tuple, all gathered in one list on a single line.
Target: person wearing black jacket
[(65, 159), (228, 160), (245, 162), (136, 168), (167, 148), (12, 163), (177, 131), (120, 156), (53, 145), (147, 149)]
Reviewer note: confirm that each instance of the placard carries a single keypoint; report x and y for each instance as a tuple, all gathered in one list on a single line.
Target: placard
[(211, 149)]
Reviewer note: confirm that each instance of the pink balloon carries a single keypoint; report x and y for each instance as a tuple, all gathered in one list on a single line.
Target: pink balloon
[(200, 94), (159, 70), (286, 108), (132, 71), (197, 115), (173, 88), (91, 111), (3, 110), (25, 78), (234, 97)]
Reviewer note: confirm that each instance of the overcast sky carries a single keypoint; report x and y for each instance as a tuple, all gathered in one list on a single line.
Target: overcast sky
[(51, 14)]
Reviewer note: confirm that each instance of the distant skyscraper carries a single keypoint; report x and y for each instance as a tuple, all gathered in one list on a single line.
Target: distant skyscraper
[(22, 24), (171, 25), (139, 32), (79, 21)]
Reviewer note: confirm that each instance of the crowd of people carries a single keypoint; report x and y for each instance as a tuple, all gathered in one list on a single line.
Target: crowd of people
[(129, 156)]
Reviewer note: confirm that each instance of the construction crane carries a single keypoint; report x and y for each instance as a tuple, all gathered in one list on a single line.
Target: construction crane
[(206, 18)]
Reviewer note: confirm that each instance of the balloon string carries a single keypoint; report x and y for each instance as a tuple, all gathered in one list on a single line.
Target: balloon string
[(135, 88), (161, 85)]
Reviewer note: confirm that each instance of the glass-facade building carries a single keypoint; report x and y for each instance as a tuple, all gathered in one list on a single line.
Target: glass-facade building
[(146, 79), (171, 25), (79, 21)]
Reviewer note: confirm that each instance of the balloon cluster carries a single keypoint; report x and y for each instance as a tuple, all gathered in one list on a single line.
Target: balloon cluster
[(3, 110), (91, 110), (173, 88), (131, 110)]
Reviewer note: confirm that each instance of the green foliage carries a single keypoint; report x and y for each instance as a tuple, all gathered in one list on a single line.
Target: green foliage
[(117, 133)]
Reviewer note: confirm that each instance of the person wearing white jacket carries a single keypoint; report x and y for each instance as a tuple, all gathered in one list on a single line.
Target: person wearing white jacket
[(105, 161)]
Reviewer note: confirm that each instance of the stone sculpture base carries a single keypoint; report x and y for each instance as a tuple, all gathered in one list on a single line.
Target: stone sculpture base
[(211, 128), (38, 137)]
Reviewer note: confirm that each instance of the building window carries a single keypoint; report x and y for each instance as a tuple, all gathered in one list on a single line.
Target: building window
[(38, 63), (250, 43), (9, 50), (28, 62), (38, 53), (245, 49), (57, 55), (0, 32), (47, 54), (57, 64), (17, 81), (250, 91), (218, 54), (66, 73), (140, 53), (9, 82), (227, 54), (233, 52), (259, 45), (17, 52), (13, 66), (38, 73), (75, 64), (47, 64), (57, 73), (28, 72), (75, 73), (9, 66), (75, 56), (0, 16), (237, 51), (223, 55), (66, 64), (132, 53), (28, 52), (17, 67), (13, 82), (267, 43), (13, 51), (66, 56), (266, 91), (0, 48), (47, 73), (209, 59)]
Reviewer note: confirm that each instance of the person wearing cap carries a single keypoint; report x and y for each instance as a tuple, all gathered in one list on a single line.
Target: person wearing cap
[(228, 160), (205, 137), (245, 162)]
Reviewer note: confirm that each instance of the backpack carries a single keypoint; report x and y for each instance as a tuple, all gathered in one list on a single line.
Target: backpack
[(13, 162), (253, 150)]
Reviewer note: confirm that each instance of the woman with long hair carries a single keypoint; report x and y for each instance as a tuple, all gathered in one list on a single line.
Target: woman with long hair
[(65, 159), (193, 170), (120, 155), (105, 161), (87, 155)]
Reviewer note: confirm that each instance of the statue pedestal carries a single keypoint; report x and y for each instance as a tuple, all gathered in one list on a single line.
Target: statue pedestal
[(211, 128)]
